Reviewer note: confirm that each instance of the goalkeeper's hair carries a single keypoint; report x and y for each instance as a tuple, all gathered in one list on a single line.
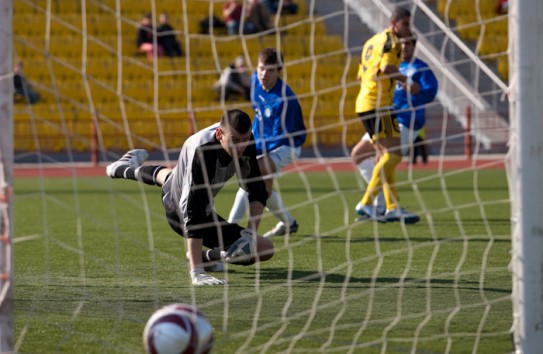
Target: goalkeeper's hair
[(236, 119), (270, 56), (399, 13)]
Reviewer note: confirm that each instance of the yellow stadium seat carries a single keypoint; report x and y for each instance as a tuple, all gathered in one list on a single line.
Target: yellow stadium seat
[(90, 46), (468, 27), (493, 44), (503, 67)]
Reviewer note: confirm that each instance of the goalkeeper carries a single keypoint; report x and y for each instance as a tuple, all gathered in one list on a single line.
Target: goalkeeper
[(208, 159)]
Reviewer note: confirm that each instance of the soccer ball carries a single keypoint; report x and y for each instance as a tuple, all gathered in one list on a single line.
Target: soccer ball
[(178, 329)]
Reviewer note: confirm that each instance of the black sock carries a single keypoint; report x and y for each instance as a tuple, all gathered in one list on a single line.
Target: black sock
[(125, 172), (211, 255), (147, 174)]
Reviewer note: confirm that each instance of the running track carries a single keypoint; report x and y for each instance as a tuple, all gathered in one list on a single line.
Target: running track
[(303, 165)]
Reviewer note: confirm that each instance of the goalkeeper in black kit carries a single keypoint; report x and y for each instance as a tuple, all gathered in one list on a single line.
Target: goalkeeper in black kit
[(208, 159)]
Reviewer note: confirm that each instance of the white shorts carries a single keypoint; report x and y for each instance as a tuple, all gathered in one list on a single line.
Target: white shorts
[(406, 136), (283, 156)]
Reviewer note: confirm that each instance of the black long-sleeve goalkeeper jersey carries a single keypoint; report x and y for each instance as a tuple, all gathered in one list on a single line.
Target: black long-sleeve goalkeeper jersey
[(202, 170)]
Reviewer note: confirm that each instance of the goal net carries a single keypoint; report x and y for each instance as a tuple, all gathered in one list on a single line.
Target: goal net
[(94, 257)]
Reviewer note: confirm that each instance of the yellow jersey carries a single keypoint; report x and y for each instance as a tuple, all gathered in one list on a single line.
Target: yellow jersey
[(376, 90)]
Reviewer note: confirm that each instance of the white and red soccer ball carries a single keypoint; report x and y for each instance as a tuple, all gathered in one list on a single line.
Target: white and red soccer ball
[(178, 329)]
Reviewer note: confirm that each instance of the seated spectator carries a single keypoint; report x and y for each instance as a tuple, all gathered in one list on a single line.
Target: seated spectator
[(208, 24), (232, 14), (166, 37), (145, 39), (288, 7), (258, 19), (234, 80), (23, 89)]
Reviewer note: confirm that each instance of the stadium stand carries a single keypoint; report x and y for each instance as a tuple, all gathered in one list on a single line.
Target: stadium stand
[(478, 21), (87, 60)]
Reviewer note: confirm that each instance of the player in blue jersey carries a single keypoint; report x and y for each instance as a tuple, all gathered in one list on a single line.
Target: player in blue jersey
[(409, 109), (279, 131)]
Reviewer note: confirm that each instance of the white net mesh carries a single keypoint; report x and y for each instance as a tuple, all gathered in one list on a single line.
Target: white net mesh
[(95, 257)]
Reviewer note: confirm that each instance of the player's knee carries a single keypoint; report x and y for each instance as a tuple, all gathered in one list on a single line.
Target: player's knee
[(361, 151)]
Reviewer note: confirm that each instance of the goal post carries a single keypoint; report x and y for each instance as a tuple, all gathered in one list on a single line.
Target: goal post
[(526, 171), (6, 158)]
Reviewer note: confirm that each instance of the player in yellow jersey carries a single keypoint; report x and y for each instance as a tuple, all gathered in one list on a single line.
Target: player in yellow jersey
[(379, 73)]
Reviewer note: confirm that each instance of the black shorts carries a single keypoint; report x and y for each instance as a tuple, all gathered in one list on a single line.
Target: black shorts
[(380, 123), (211, 233)]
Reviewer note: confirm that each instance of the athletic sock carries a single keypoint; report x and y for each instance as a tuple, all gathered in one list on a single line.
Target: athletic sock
[(147, 174), (383, 177), (277, 208), (240, 206), (389, 187), (211, 255), (365, 167), (125, 172)]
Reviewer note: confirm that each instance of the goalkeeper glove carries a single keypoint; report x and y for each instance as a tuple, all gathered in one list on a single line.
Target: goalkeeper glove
[(243, 249), (200, 277)]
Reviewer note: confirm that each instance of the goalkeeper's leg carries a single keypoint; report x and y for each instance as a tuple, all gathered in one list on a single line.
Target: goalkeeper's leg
[(129, 166)]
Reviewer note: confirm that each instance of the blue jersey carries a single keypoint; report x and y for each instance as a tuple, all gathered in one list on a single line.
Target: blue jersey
[(278, 117), (419, 72)]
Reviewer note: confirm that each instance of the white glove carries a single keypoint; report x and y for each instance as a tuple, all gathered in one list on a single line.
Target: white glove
[(248, 233), (200, 277), (241, 250)]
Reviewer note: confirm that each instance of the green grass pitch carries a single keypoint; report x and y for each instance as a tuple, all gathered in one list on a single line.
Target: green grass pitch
[(94, 258)]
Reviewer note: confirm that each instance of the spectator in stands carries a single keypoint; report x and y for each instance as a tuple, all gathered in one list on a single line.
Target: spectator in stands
[(259, 17), (210, 23), (232, 15), (502, 7), (234, 80), (23, 90), (145, 40), (288, 6), (166, 37)]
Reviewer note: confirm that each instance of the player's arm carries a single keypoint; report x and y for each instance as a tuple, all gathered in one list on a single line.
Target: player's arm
[(392, 72), (294, 121), (256, 208), (196, 215), (256, 189), (428, 85), (388, 67), (199, 195)]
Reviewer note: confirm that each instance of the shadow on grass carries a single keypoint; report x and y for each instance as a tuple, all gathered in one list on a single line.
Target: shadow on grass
[(301, 277), (400, 238)]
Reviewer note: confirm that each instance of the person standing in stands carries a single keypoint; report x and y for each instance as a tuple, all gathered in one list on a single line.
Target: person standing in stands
[(145, 39), (166, 37)]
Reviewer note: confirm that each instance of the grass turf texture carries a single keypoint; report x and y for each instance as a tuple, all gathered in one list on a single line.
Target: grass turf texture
[(94, 258)]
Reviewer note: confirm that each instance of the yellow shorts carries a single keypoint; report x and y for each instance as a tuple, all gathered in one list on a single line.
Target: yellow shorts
[(380, 123)]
